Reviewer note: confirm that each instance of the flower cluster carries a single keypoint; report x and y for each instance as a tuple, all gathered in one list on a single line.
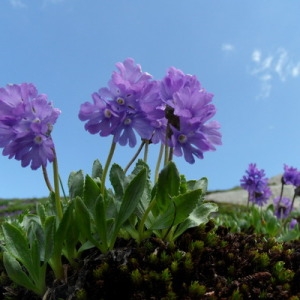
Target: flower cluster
[(282, 207), (173, 111), (256, 184), (291, 176), (26, 122)]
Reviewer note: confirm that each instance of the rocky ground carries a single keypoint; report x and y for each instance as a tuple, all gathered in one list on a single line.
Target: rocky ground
[(240, 196)]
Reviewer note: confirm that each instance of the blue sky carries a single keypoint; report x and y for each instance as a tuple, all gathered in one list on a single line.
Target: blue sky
[(246, 53)]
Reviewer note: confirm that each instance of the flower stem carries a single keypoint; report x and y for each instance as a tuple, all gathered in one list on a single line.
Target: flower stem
[(146, 150), (134, 157), (143, 220), (160, 154), (107, 164), (58, 206), (281, 192), (46, 178), (166, 160)]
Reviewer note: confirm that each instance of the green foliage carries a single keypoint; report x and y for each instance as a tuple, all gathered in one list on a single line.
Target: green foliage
[(25, 255), (258, 220), (94, 216)]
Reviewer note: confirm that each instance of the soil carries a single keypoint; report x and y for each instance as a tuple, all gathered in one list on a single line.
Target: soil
[(207, 262)]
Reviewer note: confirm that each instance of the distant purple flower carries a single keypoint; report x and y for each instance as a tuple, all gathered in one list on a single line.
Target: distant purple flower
[(256, 184), (117, 108), (291, 176), (260, 197), (26, 122), (293, 223), (254, 180), (283, 209)]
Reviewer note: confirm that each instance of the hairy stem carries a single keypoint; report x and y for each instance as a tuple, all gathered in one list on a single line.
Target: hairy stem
[(160, 154), (107, 164), (58, 205), (134, 157), (46, 178)]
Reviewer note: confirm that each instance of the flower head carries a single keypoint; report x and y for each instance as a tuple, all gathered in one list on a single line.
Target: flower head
[(173, 111), (282, 207), (293, 223), (117, 108), (26, 122), (256, 184), (254, 180), (291, 176), (261, 197), (188, 108)]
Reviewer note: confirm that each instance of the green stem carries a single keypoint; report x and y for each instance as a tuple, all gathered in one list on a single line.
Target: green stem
[(62, 188), (143, 220), (107, 164), (161, 151), (58, 205), (46, 178), (167, 148), (146, 150), (134, 157), (170, 154)]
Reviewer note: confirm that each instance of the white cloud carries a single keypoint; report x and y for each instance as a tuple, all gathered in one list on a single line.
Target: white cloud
[(296, 70), (267, 68), (227, 47), (256, 55), (17, 3)]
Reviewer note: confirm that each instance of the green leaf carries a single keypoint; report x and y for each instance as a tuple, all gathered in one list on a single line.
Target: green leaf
[(198, 184), (62, 230), (100, 219), (16, 243), (36, 237), (76, 184), (168, 185), (117, 179), (132, 196), (178, 210), (49, 228), (91, 192), (200, 215), (16, 273), (97, 169), (40, 208), (84, 220)]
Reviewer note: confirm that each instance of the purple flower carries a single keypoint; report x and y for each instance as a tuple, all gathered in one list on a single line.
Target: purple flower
[(291, 176), (176, 80), (117, 108), (173, 111), (26, 122), (256, 184), (293, 223), (254, 180), (261, 197), (188, 108), (282, 209)]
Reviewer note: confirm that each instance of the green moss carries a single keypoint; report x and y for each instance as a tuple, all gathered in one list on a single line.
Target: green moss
[(261, 260), (81, 295), (136, 277), (166, 275), (236, 295), (99, 271), (196, 290), (282, 274), (188, 262)]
